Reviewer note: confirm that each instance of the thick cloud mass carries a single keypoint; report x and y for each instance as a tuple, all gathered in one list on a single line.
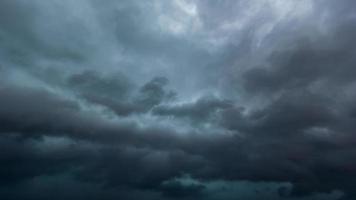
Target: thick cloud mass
[(181, 99)]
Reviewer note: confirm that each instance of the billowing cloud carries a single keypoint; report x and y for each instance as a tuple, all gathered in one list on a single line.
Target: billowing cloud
[(177, 99)]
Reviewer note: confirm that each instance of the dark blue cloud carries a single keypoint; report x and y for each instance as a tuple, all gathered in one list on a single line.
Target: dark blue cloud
[(177, 100)]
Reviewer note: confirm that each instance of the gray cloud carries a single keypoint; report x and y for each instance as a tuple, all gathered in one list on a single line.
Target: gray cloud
[(177, 100), (202, 110)]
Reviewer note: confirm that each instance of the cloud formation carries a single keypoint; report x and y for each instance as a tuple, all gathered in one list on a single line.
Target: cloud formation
[(177, 99)]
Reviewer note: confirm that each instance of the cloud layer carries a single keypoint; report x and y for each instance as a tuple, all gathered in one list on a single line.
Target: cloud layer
[(177, 99)]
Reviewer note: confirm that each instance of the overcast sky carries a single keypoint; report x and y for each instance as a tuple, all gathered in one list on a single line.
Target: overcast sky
[(178, 99)]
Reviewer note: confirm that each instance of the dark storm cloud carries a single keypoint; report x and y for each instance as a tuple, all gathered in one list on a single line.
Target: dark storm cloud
[(308, 89), (23, 109), (153, 93), (308, 63), (286, 115), (177, 189), (33, 112), (202, 110), (22, 161), (44, 115), (177, 100), (118, 93), (112, 91), (166, 157)]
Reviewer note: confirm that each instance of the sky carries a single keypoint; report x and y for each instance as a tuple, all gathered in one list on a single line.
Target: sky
[(177, 100)]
